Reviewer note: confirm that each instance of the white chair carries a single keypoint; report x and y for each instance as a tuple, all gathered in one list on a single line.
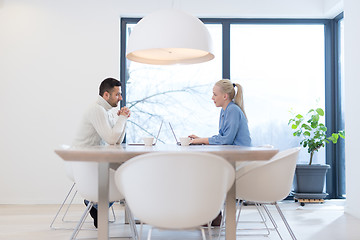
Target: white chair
[(70, 175), (269, 183), (241, 168), (175, 190), (86, 178)]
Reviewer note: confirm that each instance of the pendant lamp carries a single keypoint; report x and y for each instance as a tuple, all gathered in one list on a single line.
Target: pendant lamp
[(169, 37)]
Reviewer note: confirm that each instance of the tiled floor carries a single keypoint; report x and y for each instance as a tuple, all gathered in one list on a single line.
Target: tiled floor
[(311, 222)]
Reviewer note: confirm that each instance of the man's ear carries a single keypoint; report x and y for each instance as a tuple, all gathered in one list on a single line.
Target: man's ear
[(106, 95)]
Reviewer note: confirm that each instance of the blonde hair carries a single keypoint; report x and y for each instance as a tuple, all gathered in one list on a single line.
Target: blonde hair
[(228, 87)]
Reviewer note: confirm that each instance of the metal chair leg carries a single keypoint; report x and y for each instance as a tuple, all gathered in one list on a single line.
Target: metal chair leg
[(82, 220), (263, 221), (209, 229), (222, 223), (141, 230), (132, 223), (69, 205), (149, 234), (285, 221), (113, 212), (202, 234), (62, 205), (272, 219)]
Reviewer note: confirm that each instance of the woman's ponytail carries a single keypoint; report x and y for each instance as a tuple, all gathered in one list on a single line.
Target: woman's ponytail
[(239, 99)]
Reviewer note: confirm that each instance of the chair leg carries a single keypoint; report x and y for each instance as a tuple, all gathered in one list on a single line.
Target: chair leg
[(209, 229), (263, 221), (69, 205), (274, 223), (285, 221), (82, 220), (222, 223), (62, 205), (149, 234), (132, 223), (258, 205), (141, 230), (202, 234), (113, 213), (272, 220), (239, 208)]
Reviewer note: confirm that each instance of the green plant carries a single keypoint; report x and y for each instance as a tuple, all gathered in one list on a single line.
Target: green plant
[(313, 131)]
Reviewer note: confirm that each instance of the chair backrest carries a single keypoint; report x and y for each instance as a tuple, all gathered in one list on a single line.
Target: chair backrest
[(86, 179), (271, 181), (175, 190)]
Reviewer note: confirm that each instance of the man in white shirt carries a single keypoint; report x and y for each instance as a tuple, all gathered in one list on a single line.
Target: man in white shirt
[(100, 126)]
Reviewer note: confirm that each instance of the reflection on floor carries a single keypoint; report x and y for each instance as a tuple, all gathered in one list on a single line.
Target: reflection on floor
[(313, 221)]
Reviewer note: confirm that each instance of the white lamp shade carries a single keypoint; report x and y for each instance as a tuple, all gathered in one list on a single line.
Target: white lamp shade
[(169, 37)]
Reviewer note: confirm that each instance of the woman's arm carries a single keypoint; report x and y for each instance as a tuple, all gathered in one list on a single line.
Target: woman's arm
[(199, 141), (228, 130)]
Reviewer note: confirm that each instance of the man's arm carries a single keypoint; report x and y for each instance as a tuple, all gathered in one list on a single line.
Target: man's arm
[(99, 120)]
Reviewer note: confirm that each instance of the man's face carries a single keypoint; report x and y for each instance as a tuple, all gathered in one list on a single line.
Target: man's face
[(114, 96)]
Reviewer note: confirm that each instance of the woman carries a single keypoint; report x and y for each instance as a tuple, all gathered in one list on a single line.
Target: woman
[(233, 125)]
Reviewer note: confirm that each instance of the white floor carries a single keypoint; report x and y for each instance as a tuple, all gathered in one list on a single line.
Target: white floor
[(313, 221)]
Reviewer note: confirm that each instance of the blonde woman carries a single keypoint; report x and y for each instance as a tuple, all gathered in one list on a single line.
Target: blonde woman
[(233, 124)]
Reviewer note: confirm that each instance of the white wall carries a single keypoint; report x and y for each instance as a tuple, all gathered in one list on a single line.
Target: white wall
[(352, 87), (53, 55), (333, 7)]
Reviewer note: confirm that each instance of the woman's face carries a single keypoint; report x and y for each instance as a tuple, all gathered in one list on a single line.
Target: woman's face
[(218, 97)]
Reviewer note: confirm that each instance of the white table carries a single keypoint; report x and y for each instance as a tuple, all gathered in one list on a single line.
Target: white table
[(105, 155)]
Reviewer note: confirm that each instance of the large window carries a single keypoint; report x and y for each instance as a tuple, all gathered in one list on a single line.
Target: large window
[(281, 69), (284, 66)]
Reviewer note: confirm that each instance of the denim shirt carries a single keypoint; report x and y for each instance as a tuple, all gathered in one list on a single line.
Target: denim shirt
[(233, 127)]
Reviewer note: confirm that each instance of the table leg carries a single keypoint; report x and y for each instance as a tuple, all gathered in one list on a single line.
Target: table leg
[(230, 205), (103, 204)]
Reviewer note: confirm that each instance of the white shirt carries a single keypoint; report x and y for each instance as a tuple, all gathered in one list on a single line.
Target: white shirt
[(100, 126)]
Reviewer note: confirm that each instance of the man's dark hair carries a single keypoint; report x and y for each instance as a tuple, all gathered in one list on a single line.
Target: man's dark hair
[(107, 85)]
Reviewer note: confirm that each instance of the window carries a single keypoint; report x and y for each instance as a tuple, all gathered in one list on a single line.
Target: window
[(281, 69), (283, 65)]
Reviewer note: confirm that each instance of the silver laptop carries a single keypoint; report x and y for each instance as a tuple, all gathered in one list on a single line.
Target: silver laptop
[(143, 144), (172, 130)]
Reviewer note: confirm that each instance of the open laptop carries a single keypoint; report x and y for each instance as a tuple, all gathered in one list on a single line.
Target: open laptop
[(172, 130), (143, 144)]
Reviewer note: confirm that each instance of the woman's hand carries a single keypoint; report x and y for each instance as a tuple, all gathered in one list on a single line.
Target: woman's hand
[(193, 136), (198, 140)]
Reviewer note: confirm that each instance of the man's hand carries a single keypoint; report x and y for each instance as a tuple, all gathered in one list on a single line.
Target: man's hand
[(125, 111)]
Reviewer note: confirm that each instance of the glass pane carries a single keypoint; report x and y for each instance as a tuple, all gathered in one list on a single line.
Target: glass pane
[(180, 94), (281, 69)]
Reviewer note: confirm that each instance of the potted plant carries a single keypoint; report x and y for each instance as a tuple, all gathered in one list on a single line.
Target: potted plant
[(310, 178)]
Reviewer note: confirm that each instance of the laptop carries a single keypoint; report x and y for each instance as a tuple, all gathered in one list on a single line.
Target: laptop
[(172, 130), (143, 144)]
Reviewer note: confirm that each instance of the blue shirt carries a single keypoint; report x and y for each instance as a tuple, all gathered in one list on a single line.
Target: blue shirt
[(233, 127)]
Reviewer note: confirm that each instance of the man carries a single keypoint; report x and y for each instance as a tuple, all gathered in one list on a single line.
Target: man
[(99, 126)]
